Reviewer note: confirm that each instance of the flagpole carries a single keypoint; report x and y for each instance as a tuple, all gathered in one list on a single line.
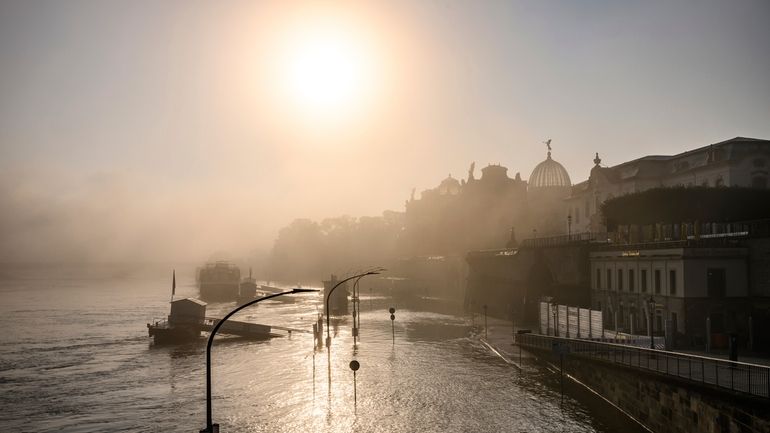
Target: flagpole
[(173, 285)]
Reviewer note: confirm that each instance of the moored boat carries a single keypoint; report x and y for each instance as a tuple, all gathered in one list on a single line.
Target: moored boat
[(183, 323), (219, 281)]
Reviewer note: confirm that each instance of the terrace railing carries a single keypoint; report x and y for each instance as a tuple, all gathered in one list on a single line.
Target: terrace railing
[(735, 376)]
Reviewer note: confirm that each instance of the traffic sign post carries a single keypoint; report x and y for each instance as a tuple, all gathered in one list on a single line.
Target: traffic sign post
[(354, 365)]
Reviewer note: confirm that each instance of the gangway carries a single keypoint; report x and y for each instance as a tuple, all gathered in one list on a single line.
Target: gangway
[(246, 329)]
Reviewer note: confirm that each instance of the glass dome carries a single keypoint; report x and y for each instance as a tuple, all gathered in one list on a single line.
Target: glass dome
[(549, 173)]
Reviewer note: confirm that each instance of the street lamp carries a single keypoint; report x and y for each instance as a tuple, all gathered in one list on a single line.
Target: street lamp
[(650, 308), (356, 309), (376, 271), (211, 427)]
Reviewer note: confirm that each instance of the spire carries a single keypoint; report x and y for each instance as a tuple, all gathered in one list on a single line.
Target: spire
[(597, 160)]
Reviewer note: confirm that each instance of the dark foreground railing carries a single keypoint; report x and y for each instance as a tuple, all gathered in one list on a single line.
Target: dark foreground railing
[(736, 376)]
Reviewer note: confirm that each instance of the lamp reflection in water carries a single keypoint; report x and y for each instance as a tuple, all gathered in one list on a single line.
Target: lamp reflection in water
[(210, 426)]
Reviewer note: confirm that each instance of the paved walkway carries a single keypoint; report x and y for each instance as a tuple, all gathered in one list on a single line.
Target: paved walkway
[(499, 336)]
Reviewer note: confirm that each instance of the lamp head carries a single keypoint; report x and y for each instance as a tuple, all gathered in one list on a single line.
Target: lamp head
[(300, 290)]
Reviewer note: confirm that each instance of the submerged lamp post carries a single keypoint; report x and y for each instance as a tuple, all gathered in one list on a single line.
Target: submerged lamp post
[(210, 426), (356, 309), (376, 271)]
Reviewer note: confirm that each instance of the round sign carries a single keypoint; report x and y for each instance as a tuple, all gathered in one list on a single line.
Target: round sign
[(354, 365), (392, 317), (392, 310)]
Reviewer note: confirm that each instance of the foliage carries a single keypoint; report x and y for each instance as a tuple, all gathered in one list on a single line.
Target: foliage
[(308, 250), (687, 204)]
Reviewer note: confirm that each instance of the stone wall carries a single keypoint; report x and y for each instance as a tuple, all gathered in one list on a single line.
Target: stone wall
[(516, 280), (667, 404)]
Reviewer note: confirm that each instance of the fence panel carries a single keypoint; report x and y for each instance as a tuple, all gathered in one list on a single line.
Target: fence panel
[(544, 318), (573, 321), (561, 317), (585, 323), (597, 324)]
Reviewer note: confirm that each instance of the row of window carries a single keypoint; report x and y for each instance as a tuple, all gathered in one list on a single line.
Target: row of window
[(657, 281), (716, 281)]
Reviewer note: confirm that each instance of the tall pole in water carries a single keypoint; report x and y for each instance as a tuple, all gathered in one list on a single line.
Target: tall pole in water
[(393, 323), (356, 309), (354, 365), (374, 271), (210, 426)]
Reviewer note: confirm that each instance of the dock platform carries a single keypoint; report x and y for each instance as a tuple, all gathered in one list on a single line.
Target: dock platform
[(246, 329)]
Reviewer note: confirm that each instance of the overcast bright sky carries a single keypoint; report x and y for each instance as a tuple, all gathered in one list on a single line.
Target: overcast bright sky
[(171, 130)]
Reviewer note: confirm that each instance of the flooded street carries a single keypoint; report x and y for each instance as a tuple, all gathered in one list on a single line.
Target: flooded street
[(78, 359)]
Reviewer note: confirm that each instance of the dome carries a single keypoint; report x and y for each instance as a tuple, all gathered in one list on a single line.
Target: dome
[(449, 186), (549, 173)]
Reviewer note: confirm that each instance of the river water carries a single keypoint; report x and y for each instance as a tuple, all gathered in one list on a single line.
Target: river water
[(75, 357)]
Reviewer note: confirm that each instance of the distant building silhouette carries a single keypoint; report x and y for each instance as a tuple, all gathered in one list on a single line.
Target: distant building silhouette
[(458, 216)]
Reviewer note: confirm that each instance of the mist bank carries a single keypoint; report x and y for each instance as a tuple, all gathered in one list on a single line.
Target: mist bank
[(306, 250), (120, 217)]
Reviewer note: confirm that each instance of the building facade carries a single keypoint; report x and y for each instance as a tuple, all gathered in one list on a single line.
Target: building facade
[(737, 162), (700, 291)]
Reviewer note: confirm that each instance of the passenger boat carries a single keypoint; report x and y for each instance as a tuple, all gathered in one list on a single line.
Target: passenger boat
[(219, 281)]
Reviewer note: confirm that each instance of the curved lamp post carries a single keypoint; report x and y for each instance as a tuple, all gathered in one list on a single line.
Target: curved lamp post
[(211, 427), (376, 271), (356, 309)]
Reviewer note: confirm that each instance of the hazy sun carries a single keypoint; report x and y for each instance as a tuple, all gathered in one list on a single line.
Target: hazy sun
[(327, 72)]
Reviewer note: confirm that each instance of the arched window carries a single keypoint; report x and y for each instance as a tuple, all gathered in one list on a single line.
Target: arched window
[(759, 182)]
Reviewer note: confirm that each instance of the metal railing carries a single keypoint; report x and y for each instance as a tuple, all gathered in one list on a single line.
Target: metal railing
[(736, 376), (559, 240)]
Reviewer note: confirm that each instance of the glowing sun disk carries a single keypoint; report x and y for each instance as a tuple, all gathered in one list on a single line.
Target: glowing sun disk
[(326, 72)]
